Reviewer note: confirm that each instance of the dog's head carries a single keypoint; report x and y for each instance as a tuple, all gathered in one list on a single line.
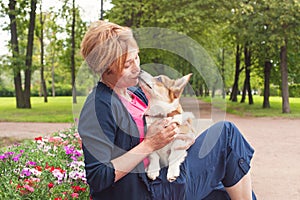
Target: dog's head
[(163, 93)]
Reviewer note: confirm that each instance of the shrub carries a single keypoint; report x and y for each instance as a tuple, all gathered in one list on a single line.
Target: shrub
[(294, 90), (44, 168), (6, 92)]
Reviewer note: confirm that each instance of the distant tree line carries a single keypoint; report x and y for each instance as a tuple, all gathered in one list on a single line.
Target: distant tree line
[(254, 44)]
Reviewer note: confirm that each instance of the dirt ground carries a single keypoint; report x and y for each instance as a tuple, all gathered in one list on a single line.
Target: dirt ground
[(275, 165)]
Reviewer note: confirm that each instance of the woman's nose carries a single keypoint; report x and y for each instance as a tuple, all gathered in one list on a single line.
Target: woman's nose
[(136, 64)]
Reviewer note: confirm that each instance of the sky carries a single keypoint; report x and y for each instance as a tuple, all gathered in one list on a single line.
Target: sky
[(90, 12)]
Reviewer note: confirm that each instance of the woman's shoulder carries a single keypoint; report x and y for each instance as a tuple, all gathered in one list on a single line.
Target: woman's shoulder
[(100, 96)]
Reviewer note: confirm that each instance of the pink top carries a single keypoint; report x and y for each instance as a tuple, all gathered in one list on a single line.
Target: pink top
[(136, 107)]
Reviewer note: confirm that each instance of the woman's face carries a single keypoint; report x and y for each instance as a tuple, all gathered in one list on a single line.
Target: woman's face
[(129, 76)]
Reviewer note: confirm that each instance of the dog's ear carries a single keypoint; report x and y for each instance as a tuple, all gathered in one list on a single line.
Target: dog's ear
[(179, 85)]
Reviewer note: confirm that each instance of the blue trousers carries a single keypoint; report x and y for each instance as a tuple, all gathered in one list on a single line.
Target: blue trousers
[(219, 157)]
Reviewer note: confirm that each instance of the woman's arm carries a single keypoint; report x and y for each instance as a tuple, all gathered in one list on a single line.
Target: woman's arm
[(157, 137)]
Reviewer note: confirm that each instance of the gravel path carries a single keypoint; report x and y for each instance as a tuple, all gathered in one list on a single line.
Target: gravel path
[(276, 162)]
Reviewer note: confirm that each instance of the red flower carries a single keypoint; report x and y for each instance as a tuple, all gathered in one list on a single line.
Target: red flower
[(50, 185), (39, 168), (19, 186), (52, 168), (78, 189), (57, 198), (38, 138)]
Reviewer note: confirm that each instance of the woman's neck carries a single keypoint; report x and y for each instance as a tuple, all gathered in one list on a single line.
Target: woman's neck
[(121, 91)]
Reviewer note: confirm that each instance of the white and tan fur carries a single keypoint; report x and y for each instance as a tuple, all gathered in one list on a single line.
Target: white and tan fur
[(163, 95)]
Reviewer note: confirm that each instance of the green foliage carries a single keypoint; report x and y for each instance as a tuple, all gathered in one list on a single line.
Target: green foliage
[(294, 90), (61, 89), (216, 25), (6, 92), (44, 168)]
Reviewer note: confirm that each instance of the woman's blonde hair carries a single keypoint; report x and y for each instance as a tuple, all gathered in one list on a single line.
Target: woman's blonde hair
[(105, 46)]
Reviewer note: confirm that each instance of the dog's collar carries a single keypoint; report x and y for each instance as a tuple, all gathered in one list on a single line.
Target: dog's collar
[(175, 115), (161, 115)]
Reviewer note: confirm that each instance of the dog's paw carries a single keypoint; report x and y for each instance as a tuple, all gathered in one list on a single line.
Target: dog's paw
[(153, 175), (173, 173)]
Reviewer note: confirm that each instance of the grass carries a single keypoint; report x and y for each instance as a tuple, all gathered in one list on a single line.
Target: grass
[(58, 109), (256, 110)]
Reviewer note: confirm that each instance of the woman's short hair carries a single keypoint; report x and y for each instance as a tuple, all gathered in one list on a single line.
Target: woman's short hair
[(105, 46)]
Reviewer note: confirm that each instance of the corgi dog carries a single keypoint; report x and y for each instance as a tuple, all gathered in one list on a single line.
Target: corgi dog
[(163, 96)]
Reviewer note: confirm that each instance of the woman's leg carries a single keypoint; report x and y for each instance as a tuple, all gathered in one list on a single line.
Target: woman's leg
[(220, 154), (242, 190)]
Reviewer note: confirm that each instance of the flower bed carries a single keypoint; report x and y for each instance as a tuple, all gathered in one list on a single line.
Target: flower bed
[(44, 168)]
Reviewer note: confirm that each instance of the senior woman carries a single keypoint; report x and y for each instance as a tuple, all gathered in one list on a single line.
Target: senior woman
[(116, 143)]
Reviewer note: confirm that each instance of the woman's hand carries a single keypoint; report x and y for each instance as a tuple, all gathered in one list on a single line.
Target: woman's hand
[(160, 133), (189, 139)]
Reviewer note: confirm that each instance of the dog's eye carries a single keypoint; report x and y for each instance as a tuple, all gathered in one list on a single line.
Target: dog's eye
[(159, 79)]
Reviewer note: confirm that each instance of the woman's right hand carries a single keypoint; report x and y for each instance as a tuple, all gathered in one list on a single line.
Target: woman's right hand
[(160, 133)]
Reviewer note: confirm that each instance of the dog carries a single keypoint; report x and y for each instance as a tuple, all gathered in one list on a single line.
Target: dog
[(163, 96)]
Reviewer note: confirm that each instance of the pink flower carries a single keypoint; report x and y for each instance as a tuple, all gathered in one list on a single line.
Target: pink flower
[(31, 163), (75, 195), (30, 189), (26, 172), (16, 158)]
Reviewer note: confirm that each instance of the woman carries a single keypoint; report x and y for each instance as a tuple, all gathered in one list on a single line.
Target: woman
[(116, 144)]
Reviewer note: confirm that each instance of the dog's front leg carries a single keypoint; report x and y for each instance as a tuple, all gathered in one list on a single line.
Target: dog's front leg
[(176, 157), (154, 166)]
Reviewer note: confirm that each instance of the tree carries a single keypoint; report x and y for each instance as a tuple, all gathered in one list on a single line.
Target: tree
[(41, 38), (22, 96), (29, 52), (75, 28), (284, 78), (235, 87), (267, 72), (247, 85), (285, 25), (73, 52), (20, 102)]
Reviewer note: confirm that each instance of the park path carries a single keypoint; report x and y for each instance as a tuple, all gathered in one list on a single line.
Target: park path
[(275, 165)]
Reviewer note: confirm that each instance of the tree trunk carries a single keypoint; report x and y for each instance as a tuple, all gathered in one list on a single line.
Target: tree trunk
[(223, 73), (29, 52), (73, 56), (284, 79), (267, 75), (206, 91), (43, 82), (201, 90), (235, 87), (52, 78), (244, 91), (15, 53), (101, 9), (247, 85)]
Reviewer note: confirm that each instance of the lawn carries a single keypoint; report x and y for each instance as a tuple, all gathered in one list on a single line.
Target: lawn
[(58, 109), (256, 110)]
